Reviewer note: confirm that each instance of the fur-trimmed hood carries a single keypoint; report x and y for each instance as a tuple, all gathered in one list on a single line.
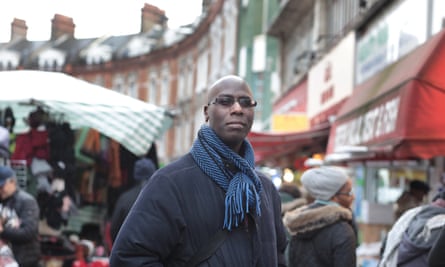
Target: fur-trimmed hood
[(309, 219)]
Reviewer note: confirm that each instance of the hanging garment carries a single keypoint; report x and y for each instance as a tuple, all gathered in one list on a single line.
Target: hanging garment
[(4, 142), (23, 148)]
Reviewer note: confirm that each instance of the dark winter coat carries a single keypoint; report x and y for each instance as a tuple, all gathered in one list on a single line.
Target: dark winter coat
[(180, 209), (420, 235), (436, 257), (322, 235), (123, 206), (25, 239)]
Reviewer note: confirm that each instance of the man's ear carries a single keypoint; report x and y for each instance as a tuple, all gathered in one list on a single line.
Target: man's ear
[(206, 115)]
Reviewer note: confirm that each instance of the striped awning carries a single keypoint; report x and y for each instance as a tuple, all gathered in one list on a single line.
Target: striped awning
[(131, 122)]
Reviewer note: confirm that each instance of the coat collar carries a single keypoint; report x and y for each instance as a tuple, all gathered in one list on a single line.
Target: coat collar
[(313, 217)]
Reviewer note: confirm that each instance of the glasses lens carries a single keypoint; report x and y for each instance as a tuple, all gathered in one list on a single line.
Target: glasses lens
[(228, 101), (245, 102), (225, 100)]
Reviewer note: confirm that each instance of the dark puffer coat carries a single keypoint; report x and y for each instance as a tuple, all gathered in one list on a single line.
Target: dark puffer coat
[(25, 239), (322, 235), (419, 236), (436, 257), (180, 209), (123, 206)]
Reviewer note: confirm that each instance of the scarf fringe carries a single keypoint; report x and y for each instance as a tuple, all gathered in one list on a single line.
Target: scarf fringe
[(235, 212)]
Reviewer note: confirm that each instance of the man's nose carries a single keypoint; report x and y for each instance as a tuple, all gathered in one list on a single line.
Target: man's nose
[(236, 106)]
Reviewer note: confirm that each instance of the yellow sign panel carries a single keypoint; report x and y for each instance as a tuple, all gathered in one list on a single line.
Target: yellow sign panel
[(410, 174), (289, 122)]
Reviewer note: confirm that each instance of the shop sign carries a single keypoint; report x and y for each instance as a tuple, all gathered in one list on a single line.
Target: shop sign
[(292, 122), (391, 37), (331, 79), (377, 122), (293, 101), (372, 52)]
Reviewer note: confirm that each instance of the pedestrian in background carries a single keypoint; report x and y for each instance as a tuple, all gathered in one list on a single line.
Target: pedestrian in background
[(19, 220), (323, 233), (142, 171), (291, 197), (412, 236), (210, 206), (411, 198)]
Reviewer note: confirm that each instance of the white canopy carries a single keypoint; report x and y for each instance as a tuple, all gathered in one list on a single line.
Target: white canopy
[(131, 122)]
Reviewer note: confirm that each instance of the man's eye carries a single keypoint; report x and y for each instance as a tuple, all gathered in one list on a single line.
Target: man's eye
[(245, 101)]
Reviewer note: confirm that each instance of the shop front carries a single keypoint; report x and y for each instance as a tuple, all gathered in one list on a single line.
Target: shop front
[(392, 130), (285, 149), (291, 140)]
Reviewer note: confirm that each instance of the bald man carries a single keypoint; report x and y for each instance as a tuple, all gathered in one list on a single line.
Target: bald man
[(210, 207)]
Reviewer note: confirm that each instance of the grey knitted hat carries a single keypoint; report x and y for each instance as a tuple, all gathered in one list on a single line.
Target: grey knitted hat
[(323, 182)]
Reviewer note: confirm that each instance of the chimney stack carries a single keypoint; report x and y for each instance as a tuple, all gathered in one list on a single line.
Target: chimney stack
[(151, 16), (62, 25), (18, 29)]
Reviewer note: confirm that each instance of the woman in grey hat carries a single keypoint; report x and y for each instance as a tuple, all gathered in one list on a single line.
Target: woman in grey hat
[(323, 232)]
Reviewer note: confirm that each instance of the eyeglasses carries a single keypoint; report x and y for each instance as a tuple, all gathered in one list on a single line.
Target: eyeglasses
[(228, 101), (350, 193)]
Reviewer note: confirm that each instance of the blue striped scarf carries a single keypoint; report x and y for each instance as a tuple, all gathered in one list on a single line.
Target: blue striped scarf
[(242, 188)]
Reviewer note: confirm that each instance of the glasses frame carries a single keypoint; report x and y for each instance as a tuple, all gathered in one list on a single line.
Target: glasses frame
[(217, 101), (350, 193)]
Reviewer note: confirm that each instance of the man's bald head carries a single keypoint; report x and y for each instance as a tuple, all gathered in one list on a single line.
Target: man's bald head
[(225, 82)]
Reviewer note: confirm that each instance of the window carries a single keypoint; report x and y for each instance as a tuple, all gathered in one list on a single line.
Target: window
[(242, 62), (165, 86), (133, 85), (118, 84), (216, 48), (189, 81), (438, 17), (385, 181), (153, 88), (202, 72)]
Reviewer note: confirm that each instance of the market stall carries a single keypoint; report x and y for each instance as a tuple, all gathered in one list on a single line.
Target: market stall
[(131, 122), (86, 135)]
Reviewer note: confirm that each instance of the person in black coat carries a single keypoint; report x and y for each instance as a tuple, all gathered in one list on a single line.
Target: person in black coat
[(212, 197), (436, 256), (323, 233), (142, 171), (19, 220)]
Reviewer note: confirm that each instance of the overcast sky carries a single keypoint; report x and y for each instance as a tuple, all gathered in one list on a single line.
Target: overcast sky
[(92, 18)]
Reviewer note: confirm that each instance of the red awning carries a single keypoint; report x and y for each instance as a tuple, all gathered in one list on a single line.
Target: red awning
[(269, 146), (402, 107)]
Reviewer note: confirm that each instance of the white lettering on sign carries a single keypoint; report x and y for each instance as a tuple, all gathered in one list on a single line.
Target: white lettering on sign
[(375, 123)]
